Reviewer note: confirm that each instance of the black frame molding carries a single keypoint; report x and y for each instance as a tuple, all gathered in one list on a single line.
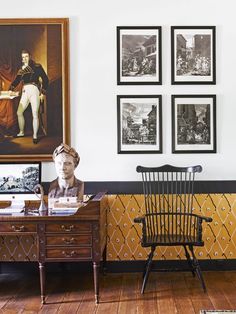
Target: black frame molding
[(158, 124), (158, 29), (213, 130), (173, 65)]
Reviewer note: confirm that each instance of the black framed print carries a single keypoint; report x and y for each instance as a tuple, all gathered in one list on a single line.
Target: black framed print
[(193, 55), (139, 124), (193, 123), (139, 55)]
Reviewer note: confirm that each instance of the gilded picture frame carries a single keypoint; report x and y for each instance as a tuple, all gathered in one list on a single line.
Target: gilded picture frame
[(34, 88)]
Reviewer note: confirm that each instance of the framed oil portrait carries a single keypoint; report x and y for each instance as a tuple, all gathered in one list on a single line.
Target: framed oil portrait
[(139, 124), (193, 55), (34, 88), (194, 123), (139, 55)]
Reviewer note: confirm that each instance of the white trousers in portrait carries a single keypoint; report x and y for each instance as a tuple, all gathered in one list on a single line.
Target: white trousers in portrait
[(30, 95)]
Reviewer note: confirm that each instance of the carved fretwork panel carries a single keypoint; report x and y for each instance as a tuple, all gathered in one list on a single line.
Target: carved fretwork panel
[(18, 248)]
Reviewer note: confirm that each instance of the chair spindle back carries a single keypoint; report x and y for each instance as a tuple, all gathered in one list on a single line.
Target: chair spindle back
[(168, 193)]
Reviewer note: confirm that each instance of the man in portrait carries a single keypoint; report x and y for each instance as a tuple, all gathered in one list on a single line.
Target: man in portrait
[(35, 84)]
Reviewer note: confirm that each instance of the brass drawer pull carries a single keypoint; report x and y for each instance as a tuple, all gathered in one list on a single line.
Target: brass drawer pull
[(67, 229), (69, 254), (69, 241), (18, 228)]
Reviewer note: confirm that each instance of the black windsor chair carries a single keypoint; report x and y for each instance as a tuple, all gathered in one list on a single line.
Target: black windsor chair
[(169, 218)]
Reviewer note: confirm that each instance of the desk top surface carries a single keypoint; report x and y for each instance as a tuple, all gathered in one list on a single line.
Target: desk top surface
[(89, 211)]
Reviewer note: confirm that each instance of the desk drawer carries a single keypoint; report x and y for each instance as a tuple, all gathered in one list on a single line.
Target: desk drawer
[(70, 240), (69, 227), (69, 253), (17, 227)]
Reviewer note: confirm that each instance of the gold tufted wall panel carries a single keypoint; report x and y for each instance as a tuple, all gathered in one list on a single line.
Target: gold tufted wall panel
[(18, 248), (219, 236)]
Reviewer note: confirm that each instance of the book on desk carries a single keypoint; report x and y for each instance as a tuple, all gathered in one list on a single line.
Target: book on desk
[(67, 205), (11, 210)]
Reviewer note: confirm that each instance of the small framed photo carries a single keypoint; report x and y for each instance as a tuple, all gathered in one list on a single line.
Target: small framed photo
[(139, 55), (139, 124), (194, 123), (193, 56)]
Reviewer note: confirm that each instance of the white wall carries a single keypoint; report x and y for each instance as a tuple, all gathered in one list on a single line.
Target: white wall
[(94, 87)]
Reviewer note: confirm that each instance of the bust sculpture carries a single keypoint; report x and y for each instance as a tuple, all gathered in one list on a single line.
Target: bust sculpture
[(66, 159)]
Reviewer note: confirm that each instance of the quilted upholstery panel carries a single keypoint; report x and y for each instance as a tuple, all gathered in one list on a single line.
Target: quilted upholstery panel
[(219, 236)]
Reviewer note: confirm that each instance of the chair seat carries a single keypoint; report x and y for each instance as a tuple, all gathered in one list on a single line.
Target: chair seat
[(171, 239)]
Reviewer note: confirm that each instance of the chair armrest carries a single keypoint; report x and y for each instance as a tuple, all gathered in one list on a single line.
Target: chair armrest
[(140, 219), (207, 219)]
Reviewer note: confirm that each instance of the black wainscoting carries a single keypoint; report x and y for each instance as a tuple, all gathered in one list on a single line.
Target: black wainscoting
[(135, 187)]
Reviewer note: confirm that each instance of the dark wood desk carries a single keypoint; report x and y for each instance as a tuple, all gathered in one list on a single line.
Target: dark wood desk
[(56, 238)]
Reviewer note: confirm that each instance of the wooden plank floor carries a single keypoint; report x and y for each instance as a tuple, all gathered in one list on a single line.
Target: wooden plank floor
[(166, 293)]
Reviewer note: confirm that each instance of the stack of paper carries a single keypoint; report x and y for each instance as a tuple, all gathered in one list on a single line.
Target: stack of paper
[(65, 205), (8, 94)]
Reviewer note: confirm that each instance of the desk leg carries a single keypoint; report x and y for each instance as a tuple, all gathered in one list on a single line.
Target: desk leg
[(104, 260), (42, 281), (96, 266)]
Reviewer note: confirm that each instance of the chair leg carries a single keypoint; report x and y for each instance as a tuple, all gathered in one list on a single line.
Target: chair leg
[(197, 268), (189, 260), (147, 268)]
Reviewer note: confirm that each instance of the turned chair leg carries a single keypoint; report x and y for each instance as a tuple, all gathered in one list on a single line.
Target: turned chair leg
[(189, 260), (147, 268), (197, 268)]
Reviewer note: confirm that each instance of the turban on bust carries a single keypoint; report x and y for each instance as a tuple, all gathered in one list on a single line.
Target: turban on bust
[(64, 148)]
